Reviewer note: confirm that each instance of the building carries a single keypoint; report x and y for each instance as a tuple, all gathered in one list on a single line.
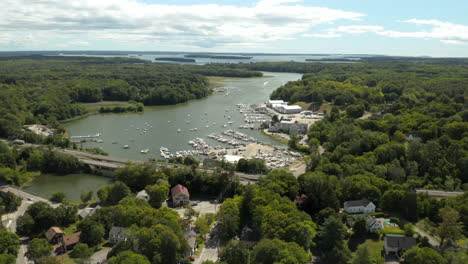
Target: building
[(88, 211), (287, 109), (398, 244), (288, 126), (363, 206), (143, 195), (191, 238), (371, 222), (39, 130), (270, 103), (232, 158), (117, 234), (180, 195), (68, 242), (54, 235)]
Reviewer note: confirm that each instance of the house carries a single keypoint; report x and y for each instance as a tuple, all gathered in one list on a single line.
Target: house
[(54, 235), (372, 222), (88, 211), (68, 242), (289, 126), (180, 195), (287, 109), (398, 244), (362, 206), (191, 238), (117, 234), (143, 195)]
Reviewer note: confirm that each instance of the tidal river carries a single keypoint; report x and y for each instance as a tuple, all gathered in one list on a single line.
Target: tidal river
[(162, 123)]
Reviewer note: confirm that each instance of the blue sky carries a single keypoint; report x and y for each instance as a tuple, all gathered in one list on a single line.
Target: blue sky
[(397, 27)]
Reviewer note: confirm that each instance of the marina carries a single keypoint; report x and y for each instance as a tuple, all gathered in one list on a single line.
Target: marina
[(183, 130)]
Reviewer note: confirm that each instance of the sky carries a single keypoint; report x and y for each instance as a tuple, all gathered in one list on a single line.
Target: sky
[(388, 27)]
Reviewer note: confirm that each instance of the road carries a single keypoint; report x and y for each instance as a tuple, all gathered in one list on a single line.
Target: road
[(211, 248), (9, 220)]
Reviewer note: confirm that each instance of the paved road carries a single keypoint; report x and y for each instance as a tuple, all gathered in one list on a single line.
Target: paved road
[(436, 193), (211, 248), (433, 241)]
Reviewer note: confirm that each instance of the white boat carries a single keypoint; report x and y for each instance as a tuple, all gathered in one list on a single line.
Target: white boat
[(178, 130), (144, 151), (100, 141), (224, 125), (195, 129), (230, 122), (125, 146), (207, 126)]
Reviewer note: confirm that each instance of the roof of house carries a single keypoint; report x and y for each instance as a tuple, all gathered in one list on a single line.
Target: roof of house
[(399, 241), (117, 231), (362, 202), (50, 234), (72, 239), (142, 194), (179, 189), (88, 211)]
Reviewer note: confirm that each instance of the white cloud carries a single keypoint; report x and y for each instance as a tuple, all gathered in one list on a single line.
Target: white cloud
[(207, 25), (446, 32), (74, 44)]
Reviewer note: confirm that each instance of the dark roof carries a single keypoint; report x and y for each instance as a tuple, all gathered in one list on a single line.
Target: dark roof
[(300, 199), (117, 231), (178, 189), (362, 202), (400, 241), (72, 239)]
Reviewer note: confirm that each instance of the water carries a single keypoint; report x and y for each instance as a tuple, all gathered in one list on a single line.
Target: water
[(71, 184), (162, 122)]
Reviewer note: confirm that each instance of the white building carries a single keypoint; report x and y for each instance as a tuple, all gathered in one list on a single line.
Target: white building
[(232, 158), (143, 195), (363, 206), (270, 103), (287, 109)]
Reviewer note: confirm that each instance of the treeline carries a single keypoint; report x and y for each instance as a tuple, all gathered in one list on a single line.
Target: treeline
[(18, 166), (46, 89), (138, 107)]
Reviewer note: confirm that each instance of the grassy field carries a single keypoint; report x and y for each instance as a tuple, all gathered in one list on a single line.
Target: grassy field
[(375, 249), (94, 107)]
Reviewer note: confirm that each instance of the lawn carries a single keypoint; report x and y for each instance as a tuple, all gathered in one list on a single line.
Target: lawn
[(70, 230), (389, 229), (375, 249), (94, 107)]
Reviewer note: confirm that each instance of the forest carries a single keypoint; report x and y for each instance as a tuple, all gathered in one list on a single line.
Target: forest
[(47, 89)]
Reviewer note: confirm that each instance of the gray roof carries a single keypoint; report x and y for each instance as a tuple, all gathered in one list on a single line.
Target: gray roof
[(117, 231), (362, 202), (400, 241)]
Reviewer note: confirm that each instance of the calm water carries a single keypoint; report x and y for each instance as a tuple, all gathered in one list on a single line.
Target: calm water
[(71, 184), (121, 129)]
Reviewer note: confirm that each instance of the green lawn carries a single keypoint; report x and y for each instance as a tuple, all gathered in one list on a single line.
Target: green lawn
[(94, 107), (388, 229), (70, 230), (375, 249)]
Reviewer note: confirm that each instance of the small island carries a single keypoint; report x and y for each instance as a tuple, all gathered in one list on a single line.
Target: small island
[(175, 59), (222, 57)]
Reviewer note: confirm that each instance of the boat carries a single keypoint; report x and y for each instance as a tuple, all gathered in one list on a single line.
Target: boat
[(114, 142), (178, 130), (207, 126), (100, 141), (125, 146), (224, 125), (230, 122), (144, 151), (195, 129)]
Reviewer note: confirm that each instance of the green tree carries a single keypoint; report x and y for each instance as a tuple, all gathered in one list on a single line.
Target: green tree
[(229, 218), (7, 259), (92, 232), (277, 251), (425, 255), (58, 197), (37, 248), (86, 196), (129, 257), (360, 227), (81, 252), (450, 227), (362, 255), (281, 182), (330, 241), (158, 193), (235, 252), (48, 260), (9, 243), (25, 225)]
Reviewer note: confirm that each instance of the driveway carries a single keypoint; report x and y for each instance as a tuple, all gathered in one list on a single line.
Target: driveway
[(203, 207), (99, 256)]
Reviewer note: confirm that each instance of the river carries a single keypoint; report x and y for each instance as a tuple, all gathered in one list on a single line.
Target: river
[(162, 124)]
